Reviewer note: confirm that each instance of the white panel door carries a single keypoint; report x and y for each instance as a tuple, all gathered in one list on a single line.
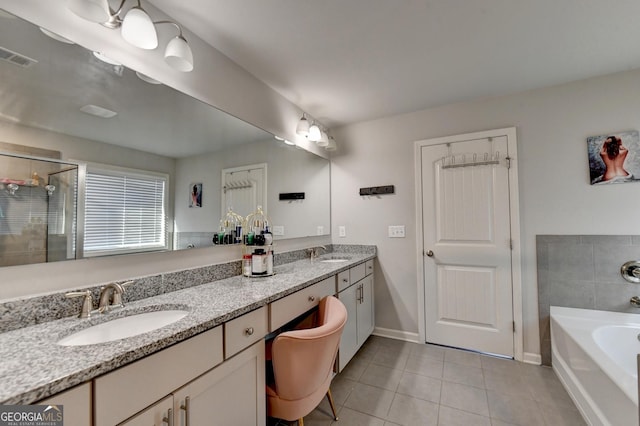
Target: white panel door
[(467, 241)]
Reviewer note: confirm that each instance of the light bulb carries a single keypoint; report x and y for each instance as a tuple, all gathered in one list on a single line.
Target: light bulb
[(303, 126), (138, 30), (314, 133), (178, 54)]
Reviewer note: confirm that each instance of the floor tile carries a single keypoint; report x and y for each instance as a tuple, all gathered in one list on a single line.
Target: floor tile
[(381, 376), (427, 350), (463, 374), (391, 383), (463, 397), (421, 387), (409, 411), (370, 400), (354, 418), (391, 357), (514, 409), (457, 356), (561, 416), (452, 417), (510, 383), (425, 366)]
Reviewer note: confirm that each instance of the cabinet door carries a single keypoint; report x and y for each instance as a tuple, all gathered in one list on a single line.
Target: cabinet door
[(157, 415), (365, 309), (231, 394), (349, 339), (76, 404)]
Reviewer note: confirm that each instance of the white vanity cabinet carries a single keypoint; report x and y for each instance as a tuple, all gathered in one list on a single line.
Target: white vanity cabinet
[(76, 404), (356, 293), (231, 394)]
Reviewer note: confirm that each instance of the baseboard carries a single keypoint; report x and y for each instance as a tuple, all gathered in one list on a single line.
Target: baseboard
[(531, 358), (396, 334)]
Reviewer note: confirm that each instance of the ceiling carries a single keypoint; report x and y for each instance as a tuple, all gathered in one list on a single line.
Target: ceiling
[(356, 60), (151, 118)]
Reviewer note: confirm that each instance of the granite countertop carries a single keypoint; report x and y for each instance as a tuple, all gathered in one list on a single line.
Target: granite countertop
[(34, 367)]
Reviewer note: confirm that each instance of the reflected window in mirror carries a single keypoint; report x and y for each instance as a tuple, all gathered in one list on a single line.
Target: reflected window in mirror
[(125, 211)]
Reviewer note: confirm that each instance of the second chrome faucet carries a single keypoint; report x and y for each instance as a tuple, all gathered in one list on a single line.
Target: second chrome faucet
[(116, 290)]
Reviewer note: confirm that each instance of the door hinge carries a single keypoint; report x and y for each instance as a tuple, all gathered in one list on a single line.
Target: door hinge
[(508, 159), (514, 326)]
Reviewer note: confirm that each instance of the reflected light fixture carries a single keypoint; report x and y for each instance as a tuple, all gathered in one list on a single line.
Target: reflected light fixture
[(324, 139), (303, 126), (314, 133), (331, 146), (137, 29), (288, 142)]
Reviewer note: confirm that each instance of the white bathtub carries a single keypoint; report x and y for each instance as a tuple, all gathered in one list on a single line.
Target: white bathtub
[(594, 353)]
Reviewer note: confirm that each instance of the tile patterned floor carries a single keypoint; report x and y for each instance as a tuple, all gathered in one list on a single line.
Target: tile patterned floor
[(390, 382)]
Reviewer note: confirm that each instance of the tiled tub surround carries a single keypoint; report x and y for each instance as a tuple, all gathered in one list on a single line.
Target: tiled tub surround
[(34, 366), (583, 271)]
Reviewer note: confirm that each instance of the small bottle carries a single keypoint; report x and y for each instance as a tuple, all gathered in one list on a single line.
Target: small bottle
[(246, 265), (258, 262), (269, 262), (268, 236)]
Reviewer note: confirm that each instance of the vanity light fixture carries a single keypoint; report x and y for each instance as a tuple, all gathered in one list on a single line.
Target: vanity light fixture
[(331, 146), (314, 133), (137, 29), (303, 126), (324, 139), (288, 142), (106, 59), (55, 36), (147, 79)]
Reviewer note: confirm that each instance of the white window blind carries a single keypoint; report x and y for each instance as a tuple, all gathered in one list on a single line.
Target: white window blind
[(124, 212)]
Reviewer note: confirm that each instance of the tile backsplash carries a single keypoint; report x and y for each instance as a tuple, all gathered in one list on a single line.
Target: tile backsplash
[(583, 271)]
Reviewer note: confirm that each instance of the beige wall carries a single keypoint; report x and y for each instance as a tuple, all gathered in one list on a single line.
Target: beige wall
[(555, 194)]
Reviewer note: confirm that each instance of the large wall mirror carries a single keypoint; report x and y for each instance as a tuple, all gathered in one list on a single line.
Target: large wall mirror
[(190, 162)]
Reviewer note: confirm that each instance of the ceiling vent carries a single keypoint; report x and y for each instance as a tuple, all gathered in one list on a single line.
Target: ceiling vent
[(16, 58)]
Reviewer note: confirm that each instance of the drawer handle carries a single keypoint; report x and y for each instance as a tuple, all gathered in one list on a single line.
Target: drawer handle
[(169, 418), (369, 267), (312, 298), (187, 410), (345, 280), (248, 331)]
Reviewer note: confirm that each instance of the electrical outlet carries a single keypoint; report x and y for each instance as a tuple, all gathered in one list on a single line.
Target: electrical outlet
[(278, 231), (342, 231), (320, 230), (396, 231)]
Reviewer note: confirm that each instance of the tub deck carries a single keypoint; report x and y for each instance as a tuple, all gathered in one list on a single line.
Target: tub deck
[(594, 353)]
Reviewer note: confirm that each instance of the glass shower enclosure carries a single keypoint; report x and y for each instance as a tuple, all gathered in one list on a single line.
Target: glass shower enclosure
[(41, 211)]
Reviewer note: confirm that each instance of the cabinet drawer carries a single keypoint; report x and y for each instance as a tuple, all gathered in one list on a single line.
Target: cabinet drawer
[(120, 394), (368, 265), (343, 280), (284, 310), (243, 331), (357, 273)]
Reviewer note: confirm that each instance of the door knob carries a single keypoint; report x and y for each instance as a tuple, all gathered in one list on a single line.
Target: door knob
[(429, 253)]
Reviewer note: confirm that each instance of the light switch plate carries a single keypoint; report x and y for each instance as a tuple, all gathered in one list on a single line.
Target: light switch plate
[(320, 230), (278, 231), (396, 231), (342, 231)]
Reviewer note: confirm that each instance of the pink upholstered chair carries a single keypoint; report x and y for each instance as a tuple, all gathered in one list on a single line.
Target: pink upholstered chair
[(303, 364)]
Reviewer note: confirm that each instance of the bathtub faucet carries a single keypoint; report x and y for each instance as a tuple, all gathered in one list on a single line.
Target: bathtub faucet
[(635, 301)]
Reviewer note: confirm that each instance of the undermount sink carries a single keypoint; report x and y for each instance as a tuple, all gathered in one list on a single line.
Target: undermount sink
[(124, 327), (334, 259)]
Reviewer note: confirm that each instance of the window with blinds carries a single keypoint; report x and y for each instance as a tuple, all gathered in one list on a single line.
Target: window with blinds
[(124, 212)]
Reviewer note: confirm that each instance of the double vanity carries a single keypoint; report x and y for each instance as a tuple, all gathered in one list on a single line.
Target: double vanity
[(189, 356)]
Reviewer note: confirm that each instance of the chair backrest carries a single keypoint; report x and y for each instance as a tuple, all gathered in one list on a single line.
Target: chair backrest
[(303, 359)]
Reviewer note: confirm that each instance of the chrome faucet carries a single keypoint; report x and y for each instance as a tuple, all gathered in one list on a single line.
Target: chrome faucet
[(635, 301), (116, 290), (315, 251)]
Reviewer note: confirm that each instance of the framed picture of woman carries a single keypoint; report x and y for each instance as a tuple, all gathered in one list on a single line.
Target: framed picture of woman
[(614, 158), (195, 195)]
